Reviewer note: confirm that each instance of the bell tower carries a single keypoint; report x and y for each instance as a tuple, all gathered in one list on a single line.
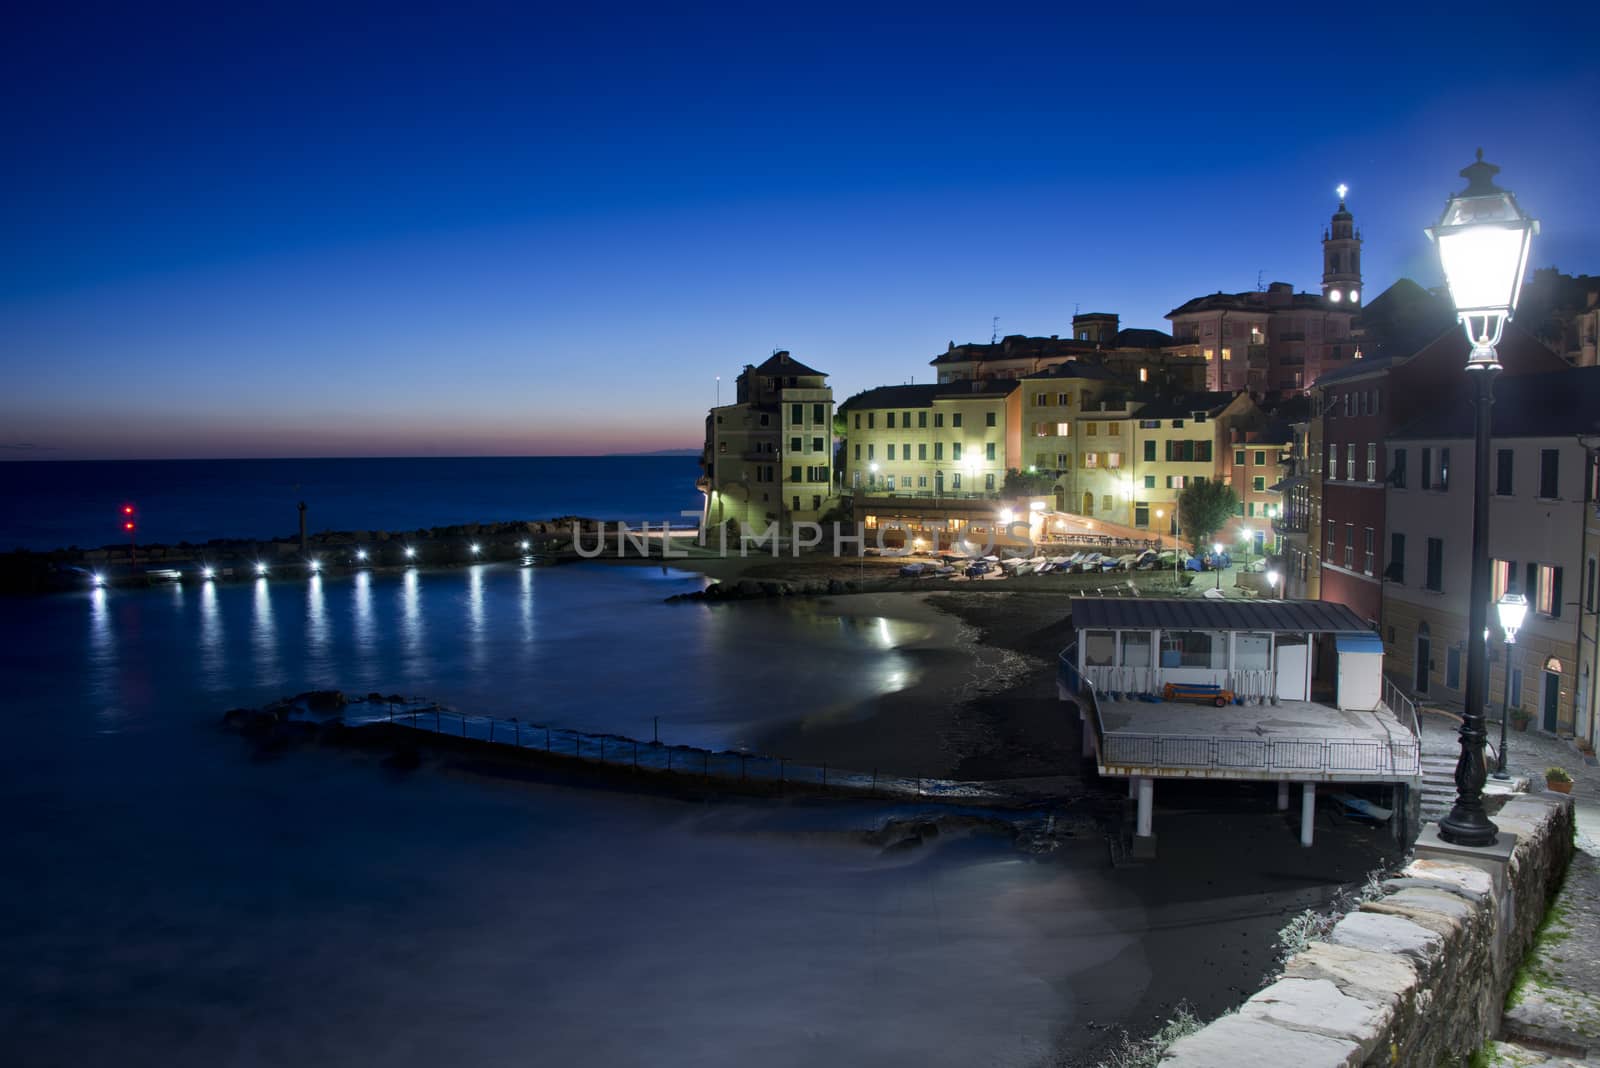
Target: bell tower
[(1341, 257)]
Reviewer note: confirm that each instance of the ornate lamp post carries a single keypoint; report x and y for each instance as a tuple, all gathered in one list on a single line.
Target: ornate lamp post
[(1483, 240), (1512, 609)]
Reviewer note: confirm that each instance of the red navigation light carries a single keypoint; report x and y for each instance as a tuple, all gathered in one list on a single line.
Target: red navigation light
[(127, 509), (128, 527)]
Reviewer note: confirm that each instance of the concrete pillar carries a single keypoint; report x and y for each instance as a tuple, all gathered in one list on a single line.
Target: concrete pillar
[(1308, 811), (1283, 796), (1147, 795)]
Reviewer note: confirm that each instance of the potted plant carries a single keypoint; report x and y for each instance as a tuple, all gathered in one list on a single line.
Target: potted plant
[(1520, 717), (1558, 780)]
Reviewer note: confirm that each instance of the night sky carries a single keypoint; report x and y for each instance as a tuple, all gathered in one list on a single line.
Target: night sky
[(516, 232)]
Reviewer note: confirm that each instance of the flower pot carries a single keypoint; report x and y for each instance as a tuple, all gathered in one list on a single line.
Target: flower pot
[(1520, 724), (1558, 787)]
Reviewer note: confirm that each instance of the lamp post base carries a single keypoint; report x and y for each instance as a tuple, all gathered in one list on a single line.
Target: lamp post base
[(1468, 828)]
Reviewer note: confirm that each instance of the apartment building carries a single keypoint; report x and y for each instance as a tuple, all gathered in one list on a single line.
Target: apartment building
[(1178, 441), (1542, 482), (768, 457)]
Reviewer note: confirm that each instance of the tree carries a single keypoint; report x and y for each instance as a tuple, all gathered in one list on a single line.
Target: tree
[(1203, 507), (1028, 484)]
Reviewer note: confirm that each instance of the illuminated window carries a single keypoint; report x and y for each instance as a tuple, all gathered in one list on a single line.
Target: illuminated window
[(1549, 598), (1208, 354), (1063, 430), (1091, 429), (1144, 374), (1227, 354), (1113, 459), (1503, 572)]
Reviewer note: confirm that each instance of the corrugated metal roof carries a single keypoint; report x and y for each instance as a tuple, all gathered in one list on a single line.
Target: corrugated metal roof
[(1134, 613)]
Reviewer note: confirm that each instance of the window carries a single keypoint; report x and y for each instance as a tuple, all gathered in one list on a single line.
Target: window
[(1397, 473), (905, 420), (1091, 429), (955, 450), (1549, 474), (1444, 470), (1333, 461), (794, 476), (955, 418), (1435, 581), (1238, 457), (1397, 558), (922, 420), (1041, 400), (1090, 459), (938, 450), (1227, 353), (1259, 484), (797, 503), (988, 450), (1350, 545), (1099, 648), (988, 419), (1114, 429), (794, 445), (1105, 503), (1177, 424), (871, 419), (1372, 461), (1113, 459), (1149, 451), (1350, 461), (1502, 473), (1331, 529), (891, 450), (905, 451), (1149, 481), (1193, 648), (955, 481), (858, 452), (888, 420), (816, 444), (1367, 547), (870, 449), (1141, 515), (1063, 400), (858, 420), (1063, 430), (1452, 667), (922, 452), (816, 414), (1427, 469), (797, 415), (1502, 574), (938, 420), (988, 481), (1549, 596)]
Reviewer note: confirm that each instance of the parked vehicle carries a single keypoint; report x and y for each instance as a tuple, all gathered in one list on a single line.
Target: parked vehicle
[(916, 570), (977, 568)]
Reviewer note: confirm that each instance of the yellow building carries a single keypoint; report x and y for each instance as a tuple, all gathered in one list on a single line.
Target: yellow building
[(768, 456), (1075, 427), (1177, 442), (911, 451)]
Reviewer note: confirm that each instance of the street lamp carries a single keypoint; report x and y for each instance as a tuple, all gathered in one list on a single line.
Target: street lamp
[(1483, 239), (1512, 609), (1216, 561), (1272, 582), (873, 481)]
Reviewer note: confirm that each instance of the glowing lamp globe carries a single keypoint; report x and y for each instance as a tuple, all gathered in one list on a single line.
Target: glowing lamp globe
[(1483, 239), (1512, 609)]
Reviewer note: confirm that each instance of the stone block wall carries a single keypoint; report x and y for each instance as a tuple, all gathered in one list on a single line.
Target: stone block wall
[(1412, 979)]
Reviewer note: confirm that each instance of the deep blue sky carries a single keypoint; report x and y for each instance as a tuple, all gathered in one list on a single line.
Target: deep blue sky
[(516, 231)]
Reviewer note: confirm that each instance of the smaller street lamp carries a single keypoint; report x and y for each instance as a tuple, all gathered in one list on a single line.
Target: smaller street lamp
[(1512, 609), (1216, 561), (1272, 582)]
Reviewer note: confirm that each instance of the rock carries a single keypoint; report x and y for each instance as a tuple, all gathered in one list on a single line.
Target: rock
[(1245, 1042), (1319, 1006), (1385, 934), (322, 702), (1359, 973)]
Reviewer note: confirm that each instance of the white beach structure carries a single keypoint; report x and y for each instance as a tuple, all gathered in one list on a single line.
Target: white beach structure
[(1273, 691)]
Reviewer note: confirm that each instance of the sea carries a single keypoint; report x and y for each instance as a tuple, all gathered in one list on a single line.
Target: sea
[(53, 505), (172, 897)]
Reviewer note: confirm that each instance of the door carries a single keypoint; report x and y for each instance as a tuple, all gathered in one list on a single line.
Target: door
[(1088, 504), (1424, 653), (938, 483), (1552, 700)]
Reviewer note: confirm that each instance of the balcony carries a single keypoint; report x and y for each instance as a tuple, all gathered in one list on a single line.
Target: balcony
[(1289, 524)]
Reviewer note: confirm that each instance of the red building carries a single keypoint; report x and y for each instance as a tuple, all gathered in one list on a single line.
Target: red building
[(1358, 407)]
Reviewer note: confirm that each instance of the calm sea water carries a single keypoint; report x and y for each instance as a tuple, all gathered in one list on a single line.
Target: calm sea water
[(168, 900), (54, 505)]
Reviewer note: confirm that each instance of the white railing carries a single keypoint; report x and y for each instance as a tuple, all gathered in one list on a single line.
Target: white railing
[(1404, 708), (1252, 685), (1288, 756)]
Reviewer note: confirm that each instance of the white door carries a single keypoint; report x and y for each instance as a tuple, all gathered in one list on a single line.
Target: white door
[(1294, 664)]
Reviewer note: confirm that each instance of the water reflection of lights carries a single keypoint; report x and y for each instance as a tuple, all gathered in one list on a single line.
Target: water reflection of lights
[(317, 624), (411, 629), (102, 648), (885, 638), (211, 639), (264, 636), (526, 603), (475, 627)]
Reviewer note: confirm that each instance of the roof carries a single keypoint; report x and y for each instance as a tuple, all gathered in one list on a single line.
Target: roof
[(1259, 303), (1358, 643), (1355, 369), (781, 363), (1185, 405), (924, 395), (1138, 337), (1550, 405), (1074, 369), (1320, 617)]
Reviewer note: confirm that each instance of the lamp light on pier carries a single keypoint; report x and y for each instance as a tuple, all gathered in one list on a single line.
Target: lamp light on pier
[(316, 566), (411, 552), (208, 573), (361, 554), (1484, 238), (476, 548), (261, 568), (98, 579), (524, 544)]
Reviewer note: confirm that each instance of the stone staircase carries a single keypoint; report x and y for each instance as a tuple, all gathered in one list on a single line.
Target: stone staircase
[(1438, 785)]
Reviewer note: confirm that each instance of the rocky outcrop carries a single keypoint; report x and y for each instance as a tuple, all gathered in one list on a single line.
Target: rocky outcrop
[(1416, 976)]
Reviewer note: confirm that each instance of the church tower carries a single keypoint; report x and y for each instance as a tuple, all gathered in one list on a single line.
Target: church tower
[(1341, 257)]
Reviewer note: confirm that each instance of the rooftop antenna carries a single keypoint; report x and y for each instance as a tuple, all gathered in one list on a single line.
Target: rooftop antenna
[(719, 391), (1260, 282), (994, 330)]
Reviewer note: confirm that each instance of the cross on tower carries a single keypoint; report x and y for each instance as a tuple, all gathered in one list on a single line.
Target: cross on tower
[(1341, 189)]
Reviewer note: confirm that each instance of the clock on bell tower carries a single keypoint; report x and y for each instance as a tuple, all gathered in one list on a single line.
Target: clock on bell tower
[(1341, 257)]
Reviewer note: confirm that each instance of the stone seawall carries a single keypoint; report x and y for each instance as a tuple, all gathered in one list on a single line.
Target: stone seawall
[(1414, 978)]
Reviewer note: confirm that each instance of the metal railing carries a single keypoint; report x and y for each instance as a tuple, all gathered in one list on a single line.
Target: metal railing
[(623, 752), (1404, 708)]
